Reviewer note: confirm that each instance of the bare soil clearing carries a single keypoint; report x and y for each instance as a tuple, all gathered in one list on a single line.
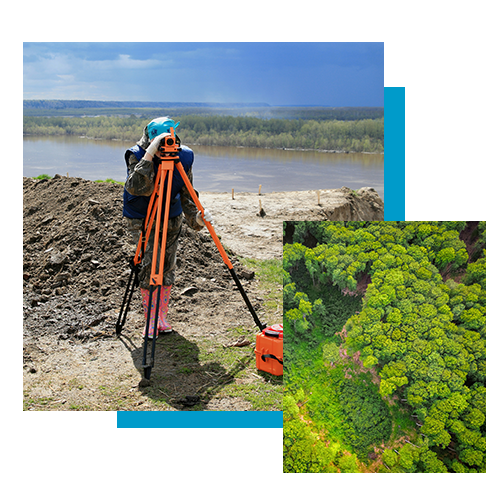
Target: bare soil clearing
[(76, 250), (249, 234)]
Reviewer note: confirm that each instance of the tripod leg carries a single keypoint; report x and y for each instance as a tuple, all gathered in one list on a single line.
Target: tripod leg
[(147, 372), (129, 291), (136, 261), (157, 263), (219, 246), (155, 331), (246, 299), (162, 214), (146, 334), (154, 321)]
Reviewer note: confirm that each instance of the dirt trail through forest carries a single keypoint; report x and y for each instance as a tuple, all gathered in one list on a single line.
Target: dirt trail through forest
[(76, 250)]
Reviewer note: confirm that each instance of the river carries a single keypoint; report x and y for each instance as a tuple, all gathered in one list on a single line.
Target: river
[(217, 169)]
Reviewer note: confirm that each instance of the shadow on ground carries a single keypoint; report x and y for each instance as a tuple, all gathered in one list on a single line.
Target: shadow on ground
[(178, 378)]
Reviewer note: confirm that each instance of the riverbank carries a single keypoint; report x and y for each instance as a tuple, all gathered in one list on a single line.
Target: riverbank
[(305, 150)]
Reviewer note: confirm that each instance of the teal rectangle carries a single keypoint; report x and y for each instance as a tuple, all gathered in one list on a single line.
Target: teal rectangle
[(199, 419), (394, 153)]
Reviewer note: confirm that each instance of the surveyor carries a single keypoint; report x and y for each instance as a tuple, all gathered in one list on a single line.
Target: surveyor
[(142, 166)]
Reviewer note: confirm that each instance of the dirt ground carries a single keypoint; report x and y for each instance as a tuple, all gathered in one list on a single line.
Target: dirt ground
[(75, 268), (252, 224)]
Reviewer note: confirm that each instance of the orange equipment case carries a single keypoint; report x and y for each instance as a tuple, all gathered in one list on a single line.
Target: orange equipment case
[(269, 350)]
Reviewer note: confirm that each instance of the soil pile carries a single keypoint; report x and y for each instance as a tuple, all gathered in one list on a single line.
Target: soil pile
[(76, 254)]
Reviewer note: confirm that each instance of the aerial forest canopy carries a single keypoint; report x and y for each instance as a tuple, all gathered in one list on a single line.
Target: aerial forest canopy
[(385, 346)]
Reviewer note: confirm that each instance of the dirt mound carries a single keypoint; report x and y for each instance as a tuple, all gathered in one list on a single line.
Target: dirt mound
[(75, 269)]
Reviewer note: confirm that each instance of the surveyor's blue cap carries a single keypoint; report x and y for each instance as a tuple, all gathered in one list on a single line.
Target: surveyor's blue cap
[(160, 125)]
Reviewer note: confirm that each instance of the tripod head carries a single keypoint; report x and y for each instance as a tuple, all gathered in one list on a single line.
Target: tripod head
[(169, 145)]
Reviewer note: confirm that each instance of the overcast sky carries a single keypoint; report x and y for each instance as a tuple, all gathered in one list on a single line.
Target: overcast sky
[(328, 74)]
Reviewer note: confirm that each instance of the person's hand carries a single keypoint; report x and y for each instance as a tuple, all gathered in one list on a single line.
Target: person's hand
[(155, 144), (207, 216)]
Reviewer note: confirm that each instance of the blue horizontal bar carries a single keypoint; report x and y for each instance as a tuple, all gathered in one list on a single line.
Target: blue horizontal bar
[(200, 419), (394, 157)]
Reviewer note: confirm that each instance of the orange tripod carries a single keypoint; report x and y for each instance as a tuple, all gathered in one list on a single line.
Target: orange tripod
[(158, 211)]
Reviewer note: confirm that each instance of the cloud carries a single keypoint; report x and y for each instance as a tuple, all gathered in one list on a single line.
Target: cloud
[(125, 61), (66, 78)]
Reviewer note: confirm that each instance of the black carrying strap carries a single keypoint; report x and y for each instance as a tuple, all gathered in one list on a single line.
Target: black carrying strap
[(264, 356)]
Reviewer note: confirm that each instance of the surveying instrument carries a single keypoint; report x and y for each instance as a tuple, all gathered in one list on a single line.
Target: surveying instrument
[(157, 216)]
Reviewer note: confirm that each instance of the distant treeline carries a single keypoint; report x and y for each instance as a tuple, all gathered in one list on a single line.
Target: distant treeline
[(153, 109), (337, 135)]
